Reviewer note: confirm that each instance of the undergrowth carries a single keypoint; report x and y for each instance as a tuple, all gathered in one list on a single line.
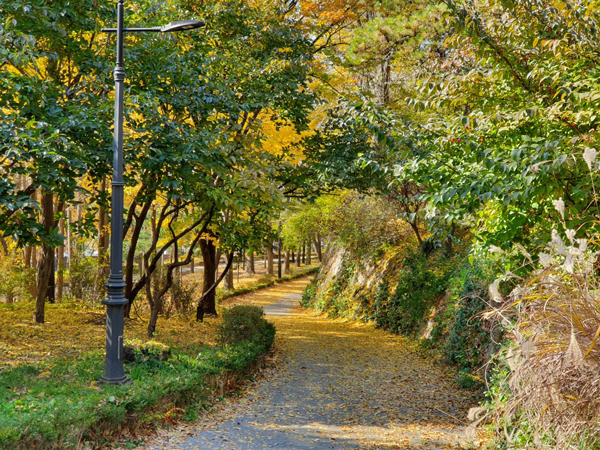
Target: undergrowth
[(436, 299)]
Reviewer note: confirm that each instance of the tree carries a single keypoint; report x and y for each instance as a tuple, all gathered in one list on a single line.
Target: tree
[(51, 135)]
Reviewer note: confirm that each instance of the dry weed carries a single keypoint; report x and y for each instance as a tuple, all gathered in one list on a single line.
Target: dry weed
[(555, 362)]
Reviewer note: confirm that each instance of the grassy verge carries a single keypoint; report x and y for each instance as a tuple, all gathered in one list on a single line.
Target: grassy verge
[(58, 404)]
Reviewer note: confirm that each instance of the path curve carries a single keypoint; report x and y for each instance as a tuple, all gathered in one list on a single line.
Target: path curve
[(338, 385)]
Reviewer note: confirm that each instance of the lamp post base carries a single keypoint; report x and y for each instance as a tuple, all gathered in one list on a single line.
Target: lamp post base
[(123, 380), (114, 372)]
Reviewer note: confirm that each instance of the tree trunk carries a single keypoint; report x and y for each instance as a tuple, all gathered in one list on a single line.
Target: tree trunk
[(130, 260), (204, 307), (155, 303), (318, 247), (449, 239), (229, 280), (304, 252), (34, 257), (153, 321), (269, 254), (209, 256), (61, 261), (293, 257), (250, 263), (32, 262), (27, 256), (154, 255), (61, 268), (217, 261), (69, 240), (45, 265), (51, 290), (382, 95), (156, 298), (286, 265), (297, 261), (308, 252), (103, 237), (415, 226)]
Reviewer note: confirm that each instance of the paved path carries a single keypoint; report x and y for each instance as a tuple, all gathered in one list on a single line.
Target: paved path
[(338, 385)]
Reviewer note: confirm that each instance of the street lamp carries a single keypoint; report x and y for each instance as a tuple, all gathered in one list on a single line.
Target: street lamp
[(115, 300)]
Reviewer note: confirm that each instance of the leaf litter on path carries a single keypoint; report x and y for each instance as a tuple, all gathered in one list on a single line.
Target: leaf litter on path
[(336, 385)]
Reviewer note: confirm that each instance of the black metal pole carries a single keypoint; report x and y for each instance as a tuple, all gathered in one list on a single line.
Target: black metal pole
[(115, 301), (279, 249)]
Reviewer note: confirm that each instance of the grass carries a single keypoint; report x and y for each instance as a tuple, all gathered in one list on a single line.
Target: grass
[(59, 404), (55, 402)]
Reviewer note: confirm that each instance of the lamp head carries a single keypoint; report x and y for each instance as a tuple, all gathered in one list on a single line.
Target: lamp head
[(182, 25)]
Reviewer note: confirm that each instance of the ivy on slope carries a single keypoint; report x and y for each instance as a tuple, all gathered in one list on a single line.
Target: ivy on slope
[(435, 299)]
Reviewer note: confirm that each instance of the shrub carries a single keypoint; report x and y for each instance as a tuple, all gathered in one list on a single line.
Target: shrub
[(244, 323), (420, 283), (14, 277), (308, 294), (467, 335), (183, 296), (86, 281), (467, 381)]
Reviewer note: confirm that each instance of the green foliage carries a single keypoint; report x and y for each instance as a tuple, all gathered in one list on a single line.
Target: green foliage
[(506, 107), (467, 337), (447, 293), (309, 293), (54, 121), (183, 297), (361, 224), (467, 381), (380, 301), (244, 323), (333, 299), (419, 286), (15, 277), (194, 108)]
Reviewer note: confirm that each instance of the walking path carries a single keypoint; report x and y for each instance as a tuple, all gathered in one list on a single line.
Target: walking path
[(338, 385)]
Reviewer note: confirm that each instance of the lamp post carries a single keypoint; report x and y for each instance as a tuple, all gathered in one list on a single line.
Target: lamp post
[(115, 300), (279, 249)]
